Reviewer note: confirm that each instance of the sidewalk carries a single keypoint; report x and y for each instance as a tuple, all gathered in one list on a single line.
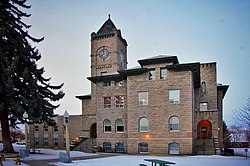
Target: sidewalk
[(51, 161)]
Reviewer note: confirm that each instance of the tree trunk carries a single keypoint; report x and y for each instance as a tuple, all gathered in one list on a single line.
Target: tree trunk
[(7, 145)]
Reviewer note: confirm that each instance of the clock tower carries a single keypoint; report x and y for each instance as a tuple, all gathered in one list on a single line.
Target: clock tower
[(108, 50)]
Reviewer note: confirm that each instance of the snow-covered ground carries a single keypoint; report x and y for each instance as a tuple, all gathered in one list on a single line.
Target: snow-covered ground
[(135, 160), (126, 160)]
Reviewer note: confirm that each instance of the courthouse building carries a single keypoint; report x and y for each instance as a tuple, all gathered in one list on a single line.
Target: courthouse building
[(160, 107)]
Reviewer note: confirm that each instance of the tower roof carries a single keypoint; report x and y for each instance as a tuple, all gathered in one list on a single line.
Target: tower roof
[(106, 28)]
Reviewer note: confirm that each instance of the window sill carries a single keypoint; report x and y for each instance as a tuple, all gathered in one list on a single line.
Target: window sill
[(174, 131), (120, 132), (107, 132)]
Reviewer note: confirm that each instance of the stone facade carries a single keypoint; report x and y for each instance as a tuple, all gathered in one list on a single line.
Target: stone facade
[(160, 107), (54, 137)]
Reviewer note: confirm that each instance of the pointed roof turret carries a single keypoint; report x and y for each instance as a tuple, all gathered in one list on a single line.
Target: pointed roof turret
[(107, 28)]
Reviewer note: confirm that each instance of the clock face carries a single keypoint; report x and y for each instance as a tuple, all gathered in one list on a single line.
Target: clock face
[(104, 53)]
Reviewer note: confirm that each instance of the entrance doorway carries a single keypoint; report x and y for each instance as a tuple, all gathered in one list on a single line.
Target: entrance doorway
[(93, 131), (204, 130)]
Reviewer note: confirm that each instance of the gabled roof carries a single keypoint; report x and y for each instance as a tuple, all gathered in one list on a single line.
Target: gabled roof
[(106, 28), (159, 59)]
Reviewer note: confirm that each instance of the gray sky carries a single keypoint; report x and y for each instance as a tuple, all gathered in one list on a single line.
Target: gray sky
[(194, 30)]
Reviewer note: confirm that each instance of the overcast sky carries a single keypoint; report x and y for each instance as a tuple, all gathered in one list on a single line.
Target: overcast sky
[(194, 30)]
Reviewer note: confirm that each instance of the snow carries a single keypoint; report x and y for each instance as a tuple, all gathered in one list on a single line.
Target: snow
[(125, 160)]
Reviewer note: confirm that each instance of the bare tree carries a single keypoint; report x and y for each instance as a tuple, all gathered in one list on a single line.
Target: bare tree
[(242, 115), (242, 119)]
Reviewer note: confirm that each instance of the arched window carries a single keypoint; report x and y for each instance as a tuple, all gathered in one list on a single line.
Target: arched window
[(143, 147), (174, 148), (107, 125), (107, 147), (203, 87), (119, 125), (174, 123), (143, 125), (119, 147)]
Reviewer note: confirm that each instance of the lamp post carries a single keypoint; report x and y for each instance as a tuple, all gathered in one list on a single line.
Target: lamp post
[(66, 121), (25, 116)]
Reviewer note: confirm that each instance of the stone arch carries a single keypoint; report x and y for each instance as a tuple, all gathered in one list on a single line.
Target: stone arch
[(204, 129)]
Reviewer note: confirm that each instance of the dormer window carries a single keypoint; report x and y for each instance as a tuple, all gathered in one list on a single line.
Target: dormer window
[(151, 73), (163, 73)]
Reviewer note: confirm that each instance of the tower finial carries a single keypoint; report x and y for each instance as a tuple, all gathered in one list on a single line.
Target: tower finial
[(109, 16)]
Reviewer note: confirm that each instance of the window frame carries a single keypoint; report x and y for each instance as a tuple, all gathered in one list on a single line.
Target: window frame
[(171, 97), (119, 105), (45, 143), (45, 128), (151, 74), (116, 126), (119, 147), (143, 148), (107, 128), (142, 101), (36, 140), (203, 87), (173, 151), (56, 142), (161, 73), (36, 128), (107, 147), (171, 129), (141, 126), (109, 105), (55, 128), (202, 105)]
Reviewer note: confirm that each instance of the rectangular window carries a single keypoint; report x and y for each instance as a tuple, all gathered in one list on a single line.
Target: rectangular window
[(174, 96), (151, 73), (120, 129), (56, 142), (119, 101), (203, 106), (45, 141), (36, 128), (107, 83), (45, 128), (36, 140), (118, 83), (107, 102), (55, 128), (143, 98), (163, 73)]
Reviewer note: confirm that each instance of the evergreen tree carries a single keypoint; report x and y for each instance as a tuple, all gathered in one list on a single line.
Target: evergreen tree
[(226, 133), (22, 85)]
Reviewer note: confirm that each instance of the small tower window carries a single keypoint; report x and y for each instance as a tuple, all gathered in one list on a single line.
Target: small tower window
[(203, 87)]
